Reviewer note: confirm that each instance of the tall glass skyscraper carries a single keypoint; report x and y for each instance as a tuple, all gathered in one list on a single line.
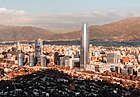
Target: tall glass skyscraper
[(84, 47), (38, 50)]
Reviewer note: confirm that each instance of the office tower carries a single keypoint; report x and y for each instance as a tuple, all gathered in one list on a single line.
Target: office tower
[(67, 60), (43, 60), (64, 60), (31, 60), (20, 59), (112, 58), (74, 62), (56, 58), (103, 56), (77, 55), (84, 47), (38, 50)]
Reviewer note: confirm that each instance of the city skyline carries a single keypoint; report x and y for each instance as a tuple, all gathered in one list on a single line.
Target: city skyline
[(64, 16), (44, 53)]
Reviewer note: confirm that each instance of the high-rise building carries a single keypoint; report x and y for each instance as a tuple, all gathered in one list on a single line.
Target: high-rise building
[(31, 60), (84, 49), (74, 62), (43, 60), (20, 59), (77, 55), (56, 58), (113, 57), (38, 50)]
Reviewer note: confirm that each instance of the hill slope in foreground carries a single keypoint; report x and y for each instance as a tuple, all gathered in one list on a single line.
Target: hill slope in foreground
[(58, 81)]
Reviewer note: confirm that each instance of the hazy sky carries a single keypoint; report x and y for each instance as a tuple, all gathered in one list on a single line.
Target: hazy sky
[(66, 15)]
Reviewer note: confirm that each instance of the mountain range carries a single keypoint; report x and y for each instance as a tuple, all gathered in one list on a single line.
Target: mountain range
[(127, 29), (14, 33)]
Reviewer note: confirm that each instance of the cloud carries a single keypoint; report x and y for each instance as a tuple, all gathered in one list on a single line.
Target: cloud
[(67, 21), (11, 16), (74, 18), (12, 12), (61, 22)]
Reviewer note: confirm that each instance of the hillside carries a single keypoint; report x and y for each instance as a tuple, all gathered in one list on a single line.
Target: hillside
[(127, 29), (13, 33)]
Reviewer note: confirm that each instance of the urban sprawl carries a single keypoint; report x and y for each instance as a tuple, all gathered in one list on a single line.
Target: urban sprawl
[(114, 65)]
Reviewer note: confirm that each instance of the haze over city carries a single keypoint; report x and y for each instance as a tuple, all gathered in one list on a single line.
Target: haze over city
[(65, 15)]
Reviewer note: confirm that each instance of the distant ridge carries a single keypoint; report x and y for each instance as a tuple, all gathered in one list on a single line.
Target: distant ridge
[(127, 29), (13, 33)]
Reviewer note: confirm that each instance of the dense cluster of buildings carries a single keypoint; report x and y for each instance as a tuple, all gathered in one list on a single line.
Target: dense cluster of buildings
[(84, 56), (113, 59)]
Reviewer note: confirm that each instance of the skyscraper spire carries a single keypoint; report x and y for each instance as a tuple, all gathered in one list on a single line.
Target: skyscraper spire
[(84, 47)]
